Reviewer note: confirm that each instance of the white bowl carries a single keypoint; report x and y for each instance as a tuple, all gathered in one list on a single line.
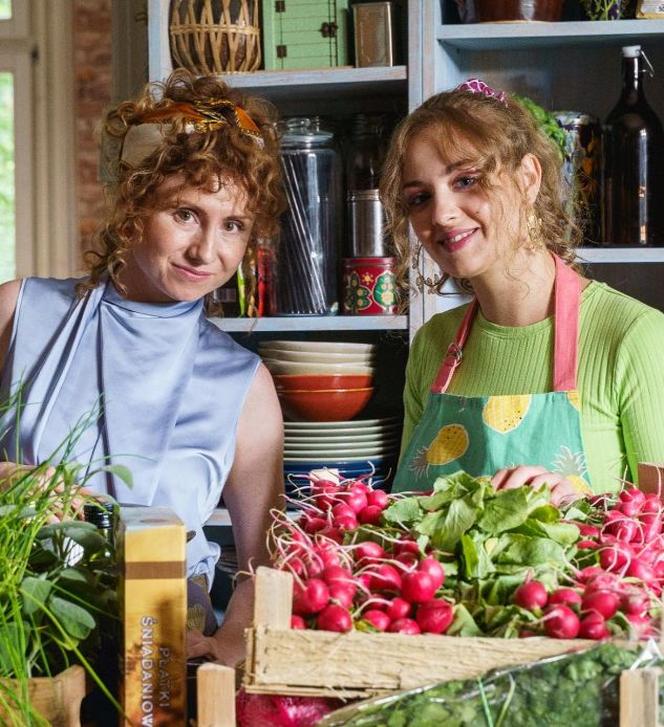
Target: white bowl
[(299, 438), (319, 346), (378, 456), (326, 429), (293, 367), (341, 453), (315, 357), (321, 447)]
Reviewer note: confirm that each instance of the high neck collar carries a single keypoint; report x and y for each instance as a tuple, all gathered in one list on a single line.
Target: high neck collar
[(157, 310)]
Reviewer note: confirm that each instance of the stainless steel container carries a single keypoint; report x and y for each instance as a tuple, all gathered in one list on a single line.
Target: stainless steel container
[(374, 33), (367, 224)]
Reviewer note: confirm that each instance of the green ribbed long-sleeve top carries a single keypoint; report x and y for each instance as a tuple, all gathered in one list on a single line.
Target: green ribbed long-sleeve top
[(620, 375)]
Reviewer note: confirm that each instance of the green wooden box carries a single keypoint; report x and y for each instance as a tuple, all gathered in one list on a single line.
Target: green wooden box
[(300, 34)]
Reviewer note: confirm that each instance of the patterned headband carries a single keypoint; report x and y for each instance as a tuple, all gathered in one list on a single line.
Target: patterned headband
[(475, 85), (147, 132)]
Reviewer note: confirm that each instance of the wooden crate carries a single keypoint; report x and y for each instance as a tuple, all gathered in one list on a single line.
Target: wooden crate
[(300, 34)]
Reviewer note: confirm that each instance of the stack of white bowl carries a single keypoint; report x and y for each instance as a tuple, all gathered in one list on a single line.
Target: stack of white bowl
[(320, 380)]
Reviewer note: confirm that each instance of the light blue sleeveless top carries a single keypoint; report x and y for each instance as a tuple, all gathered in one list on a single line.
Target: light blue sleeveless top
[(152, 386)]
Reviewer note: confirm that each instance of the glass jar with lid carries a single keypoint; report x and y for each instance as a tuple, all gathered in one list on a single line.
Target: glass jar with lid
[(307, 261)]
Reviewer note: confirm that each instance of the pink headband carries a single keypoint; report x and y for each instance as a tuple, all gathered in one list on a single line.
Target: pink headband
[(474, 85)]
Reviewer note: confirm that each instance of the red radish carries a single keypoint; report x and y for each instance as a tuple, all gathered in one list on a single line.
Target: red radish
[(313, 524), (603, 582), (404, 626), (615, 557), (652, 505), (624, 530), (345, 522), (561, 623), (334, 618), (418, 587), (587, 545), (328, 558), (343, 594), (651, 526), (435, 616), (368, 551), (297, 622), (567, 596), (593, 626), (333, 533), (312, 598), (530, 595), (407, 546), (588, 531), (361, 487), (398, 608), (642, 571), (326, 493), (641, 625), (355, 498), (343, 510), (336, 574), (629, 508), (378, 619), (587, 574), (659, 569), (603, 602), (385, 578), (378, 498), (633, 494), (370, 515), (431, 566), (408, 559), (634, 603)]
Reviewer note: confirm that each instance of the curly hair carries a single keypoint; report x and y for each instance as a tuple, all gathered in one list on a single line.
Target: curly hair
[(201, 158), (496, 136)]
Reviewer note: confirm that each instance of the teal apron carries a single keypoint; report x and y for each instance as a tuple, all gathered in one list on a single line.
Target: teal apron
[(483, 434)]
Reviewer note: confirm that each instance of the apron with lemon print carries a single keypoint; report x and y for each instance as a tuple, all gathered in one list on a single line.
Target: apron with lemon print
[(482, 434)]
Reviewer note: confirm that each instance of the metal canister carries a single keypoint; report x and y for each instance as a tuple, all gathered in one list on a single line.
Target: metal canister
[(367, 224), (582, 171)]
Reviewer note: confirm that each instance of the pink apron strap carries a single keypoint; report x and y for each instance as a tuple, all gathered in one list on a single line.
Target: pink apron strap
[(567, 296), (455, 351), (566, 326)]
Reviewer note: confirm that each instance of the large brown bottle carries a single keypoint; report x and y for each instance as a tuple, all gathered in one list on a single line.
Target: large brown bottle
[(633, 144)]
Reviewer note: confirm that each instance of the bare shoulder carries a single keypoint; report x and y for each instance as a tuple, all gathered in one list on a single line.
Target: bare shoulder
[(8, 297), (261, 411)]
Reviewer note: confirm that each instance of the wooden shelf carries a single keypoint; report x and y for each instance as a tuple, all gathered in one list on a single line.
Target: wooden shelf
[(621, 254), (519, 36), (312, 323)]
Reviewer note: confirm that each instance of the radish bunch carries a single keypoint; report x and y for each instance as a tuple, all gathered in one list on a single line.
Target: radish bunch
[(622, 553), (342, 580)]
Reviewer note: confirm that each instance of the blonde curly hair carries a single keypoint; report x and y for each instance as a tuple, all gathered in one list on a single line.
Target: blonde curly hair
[(201, 157), (497, 135)]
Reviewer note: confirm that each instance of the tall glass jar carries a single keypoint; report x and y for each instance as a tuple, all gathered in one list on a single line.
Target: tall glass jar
[(307, 261)]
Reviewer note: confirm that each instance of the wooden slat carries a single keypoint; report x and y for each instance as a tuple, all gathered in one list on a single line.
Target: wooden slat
[(273, 598), (639, 698), (215, 694)]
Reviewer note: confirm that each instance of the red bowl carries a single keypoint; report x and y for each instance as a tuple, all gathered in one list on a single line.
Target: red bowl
[(322, 382), (327, 405)]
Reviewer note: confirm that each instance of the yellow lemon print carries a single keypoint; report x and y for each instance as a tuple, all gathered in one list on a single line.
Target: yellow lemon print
[(574, 399), (505, 413), (450, 443), (579, 484)]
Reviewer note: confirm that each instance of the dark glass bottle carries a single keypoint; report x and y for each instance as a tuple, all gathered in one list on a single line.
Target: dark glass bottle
[(365, 155), (633, 172)]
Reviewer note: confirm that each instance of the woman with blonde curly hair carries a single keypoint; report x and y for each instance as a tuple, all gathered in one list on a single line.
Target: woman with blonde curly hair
[(545, 377), (193, 178)]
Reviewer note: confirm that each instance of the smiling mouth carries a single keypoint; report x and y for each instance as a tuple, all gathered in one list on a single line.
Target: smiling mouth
[(192, 273), (455, 242)]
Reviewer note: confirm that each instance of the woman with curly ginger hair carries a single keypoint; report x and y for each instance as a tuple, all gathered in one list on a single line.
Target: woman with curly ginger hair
[(193, 177), (546, 377)]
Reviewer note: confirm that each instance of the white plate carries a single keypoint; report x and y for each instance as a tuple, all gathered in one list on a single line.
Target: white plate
[(335, 460), (304, 441), (340, 453), (319, 346), (295, 367), (275, 354), (350, 424)]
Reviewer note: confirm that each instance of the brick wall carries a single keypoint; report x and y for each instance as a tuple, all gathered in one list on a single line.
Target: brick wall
[(92, 93)]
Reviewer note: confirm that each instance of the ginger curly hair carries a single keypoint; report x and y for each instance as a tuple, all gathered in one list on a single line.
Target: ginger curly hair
[(496, 136), (202, 158)]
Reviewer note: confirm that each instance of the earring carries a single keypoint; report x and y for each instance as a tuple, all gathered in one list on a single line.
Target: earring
[(534, 231)]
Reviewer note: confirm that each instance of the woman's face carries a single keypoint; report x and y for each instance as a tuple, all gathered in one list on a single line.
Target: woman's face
[(192, 243), (467, 232)]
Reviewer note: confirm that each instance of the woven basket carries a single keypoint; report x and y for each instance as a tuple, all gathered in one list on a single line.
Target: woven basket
[(215, 36)]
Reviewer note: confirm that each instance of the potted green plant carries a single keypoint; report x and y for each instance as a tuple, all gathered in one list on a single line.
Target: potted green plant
[(57, 596), (608, 9)]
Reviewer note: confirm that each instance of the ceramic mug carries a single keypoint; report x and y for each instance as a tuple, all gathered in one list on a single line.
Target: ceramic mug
[(370, 286)]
